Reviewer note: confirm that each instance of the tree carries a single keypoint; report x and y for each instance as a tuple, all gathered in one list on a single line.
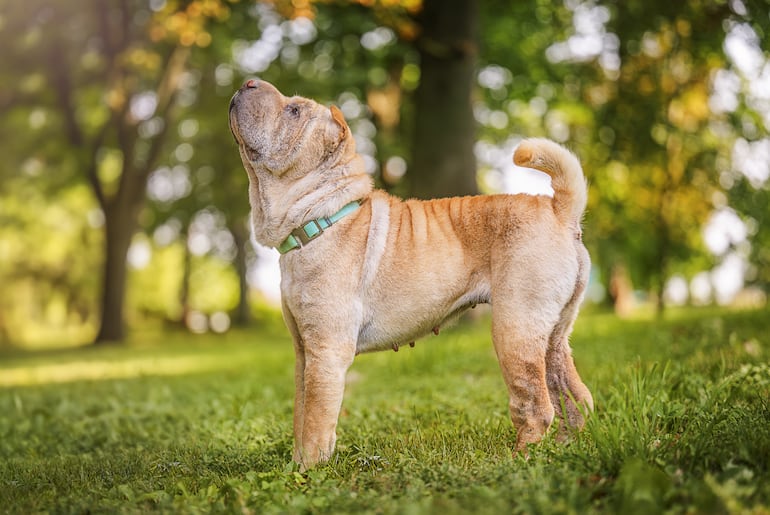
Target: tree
[(744, 107), (664, 147), (444, 128), (438, 124), (99, 94), (112, 75), (630, 86)]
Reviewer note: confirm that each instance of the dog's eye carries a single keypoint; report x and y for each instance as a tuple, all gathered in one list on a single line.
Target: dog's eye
[(292, 109)]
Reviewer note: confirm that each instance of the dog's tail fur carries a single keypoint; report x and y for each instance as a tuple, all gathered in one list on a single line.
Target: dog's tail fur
[(567, 180)]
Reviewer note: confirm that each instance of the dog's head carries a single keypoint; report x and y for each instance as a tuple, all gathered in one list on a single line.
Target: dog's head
[(286, 136), (300, 157)]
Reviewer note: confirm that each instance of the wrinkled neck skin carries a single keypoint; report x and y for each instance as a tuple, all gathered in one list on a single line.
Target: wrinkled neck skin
[(279, 204)]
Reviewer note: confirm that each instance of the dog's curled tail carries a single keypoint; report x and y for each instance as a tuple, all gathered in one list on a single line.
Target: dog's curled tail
[(567, 180)]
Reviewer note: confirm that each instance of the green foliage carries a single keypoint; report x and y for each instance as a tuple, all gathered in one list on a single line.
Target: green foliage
[(50, 276), (658, 155), (753, 204), (637, 109), (204, 424)]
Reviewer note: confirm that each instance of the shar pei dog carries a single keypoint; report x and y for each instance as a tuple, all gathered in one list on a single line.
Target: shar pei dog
[(364, 271)]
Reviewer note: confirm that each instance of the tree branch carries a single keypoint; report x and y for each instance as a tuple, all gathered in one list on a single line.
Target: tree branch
[(60, 75), (134, 177), (166, 92), (92, 172)]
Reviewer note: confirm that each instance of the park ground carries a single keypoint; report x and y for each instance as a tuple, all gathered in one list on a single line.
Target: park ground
[(179, 423)]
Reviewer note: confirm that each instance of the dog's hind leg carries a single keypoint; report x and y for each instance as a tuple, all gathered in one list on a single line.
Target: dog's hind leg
[(521, 325), (568, 393)]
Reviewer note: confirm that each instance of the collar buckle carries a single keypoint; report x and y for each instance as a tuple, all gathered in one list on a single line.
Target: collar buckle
[(310, 231)]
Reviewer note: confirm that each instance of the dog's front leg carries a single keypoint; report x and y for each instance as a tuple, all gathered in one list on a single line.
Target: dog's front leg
[(324, 385), (299, 382), (299, 399)]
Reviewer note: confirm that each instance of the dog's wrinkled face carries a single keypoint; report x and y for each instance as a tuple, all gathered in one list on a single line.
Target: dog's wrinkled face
[(286, 136)]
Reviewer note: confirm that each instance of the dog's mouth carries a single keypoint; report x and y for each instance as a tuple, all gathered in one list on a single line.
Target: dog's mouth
[(232, 119), (232, 102), (251, 153), (234, 132)]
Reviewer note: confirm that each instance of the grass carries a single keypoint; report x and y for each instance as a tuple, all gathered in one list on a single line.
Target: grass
[(177, 423)]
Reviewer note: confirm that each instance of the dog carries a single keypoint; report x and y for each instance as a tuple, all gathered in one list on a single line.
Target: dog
[(364, 271)]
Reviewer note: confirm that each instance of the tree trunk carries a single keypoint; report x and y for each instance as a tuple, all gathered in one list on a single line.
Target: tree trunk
[(621, 291), (443, 160), (5, 337), (663, 245), (121, 212), (659, 285), (184, 290), (118, 230), (242, 315)]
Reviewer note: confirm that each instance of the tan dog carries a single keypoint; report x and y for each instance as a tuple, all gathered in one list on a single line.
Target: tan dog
[(363, 271)]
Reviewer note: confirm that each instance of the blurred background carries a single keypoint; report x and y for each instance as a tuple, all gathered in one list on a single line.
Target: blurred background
[(123, 202)]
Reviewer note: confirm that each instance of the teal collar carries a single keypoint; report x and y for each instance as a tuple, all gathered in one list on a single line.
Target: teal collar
[(300, 236)]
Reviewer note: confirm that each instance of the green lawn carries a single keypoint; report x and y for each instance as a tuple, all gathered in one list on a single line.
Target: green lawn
[(203, 424)]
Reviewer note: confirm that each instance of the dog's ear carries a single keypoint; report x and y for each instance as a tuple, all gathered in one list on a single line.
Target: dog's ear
[(338, 117)]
